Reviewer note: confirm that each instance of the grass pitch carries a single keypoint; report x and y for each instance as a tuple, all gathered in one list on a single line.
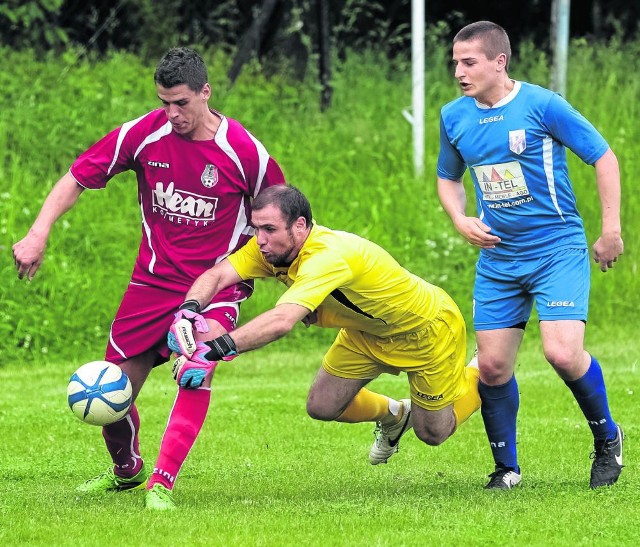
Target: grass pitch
[(263, 473)]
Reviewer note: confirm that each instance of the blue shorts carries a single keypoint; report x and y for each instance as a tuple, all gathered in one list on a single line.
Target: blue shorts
[(505, 290)]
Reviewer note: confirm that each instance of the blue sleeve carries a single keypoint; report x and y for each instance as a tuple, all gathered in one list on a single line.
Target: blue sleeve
[(573, 130), (451, 166)]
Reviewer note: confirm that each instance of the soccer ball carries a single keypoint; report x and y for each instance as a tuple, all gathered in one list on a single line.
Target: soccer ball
[(99, 393)]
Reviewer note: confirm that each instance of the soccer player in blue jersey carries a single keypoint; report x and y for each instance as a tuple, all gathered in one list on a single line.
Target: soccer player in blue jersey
[(512, 136)]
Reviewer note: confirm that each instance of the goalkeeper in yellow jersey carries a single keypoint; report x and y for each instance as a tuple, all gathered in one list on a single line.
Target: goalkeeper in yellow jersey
[(390, 321)]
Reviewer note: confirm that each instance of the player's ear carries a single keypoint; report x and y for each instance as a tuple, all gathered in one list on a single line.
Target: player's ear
[(206, 91), (301, 224), (501, 61)]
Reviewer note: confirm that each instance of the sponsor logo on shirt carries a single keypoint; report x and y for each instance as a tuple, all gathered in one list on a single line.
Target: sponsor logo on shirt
[(491, 119), (507, 204), (182, 206), (501, 181), (161, 164)]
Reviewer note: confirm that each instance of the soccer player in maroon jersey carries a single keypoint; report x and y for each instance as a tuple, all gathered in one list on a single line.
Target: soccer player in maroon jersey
[(197, 173)]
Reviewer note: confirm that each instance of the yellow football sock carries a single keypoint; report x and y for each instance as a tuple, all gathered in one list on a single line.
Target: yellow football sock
[(366, 406), (465, 407)]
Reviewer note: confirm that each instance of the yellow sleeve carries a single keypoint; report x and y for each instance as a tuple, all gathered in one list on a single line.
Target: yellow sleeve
[(249, 263), (317, 277)]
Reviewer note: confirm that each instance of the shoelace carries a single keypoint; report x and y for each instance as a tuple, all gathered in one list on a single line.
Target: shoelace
[(601, 449), (108, 473)]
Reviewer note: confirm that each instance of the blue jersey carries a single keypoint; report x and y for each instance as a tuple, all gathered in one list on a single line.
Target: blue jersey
[(516, 154)]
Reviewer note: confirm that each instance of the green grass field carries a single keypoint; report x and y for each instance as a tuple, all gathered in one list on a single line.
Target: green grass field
[(263, 473)]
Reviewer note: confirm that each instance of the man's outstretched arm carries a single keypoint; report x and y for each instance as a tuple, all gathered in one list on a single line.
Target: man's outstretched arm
[(28, 253)]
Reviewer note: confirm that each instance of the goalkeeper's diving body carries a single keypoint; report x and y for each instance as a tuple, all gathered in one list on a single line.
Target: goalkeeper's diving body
[(390, 321)]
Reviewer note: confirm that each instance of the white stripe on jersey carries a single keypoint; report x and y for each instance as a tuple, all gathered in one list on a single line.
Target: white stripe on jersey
[(154, 137), (263, 160), (241, 227), (242, 222), (547, 158), (113, 343), (121, 135), (80, 184), (222, 141), (147, 232), (233, 305)]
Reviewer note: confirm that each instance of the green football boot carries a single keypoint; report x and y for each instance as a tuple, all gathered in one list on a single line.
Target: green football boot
[(159, 498), (110, 482)]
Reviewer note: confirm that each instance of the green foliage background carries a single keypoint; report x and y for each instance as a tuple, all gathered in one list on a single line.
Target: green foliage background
[(354, 162)]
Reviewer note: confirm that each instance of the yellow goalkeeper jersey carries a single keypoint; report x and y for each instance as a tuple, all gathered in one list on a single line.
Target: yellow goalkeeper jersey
[(351, 282)]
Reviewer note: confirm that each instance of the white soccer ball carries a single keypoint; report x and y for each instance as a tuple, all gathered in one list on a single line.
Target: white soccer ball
[(99, 393)]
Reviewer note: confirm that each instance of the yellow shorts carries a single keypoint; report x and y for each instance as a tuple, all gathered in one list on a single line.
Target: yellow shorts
[(433, 358)]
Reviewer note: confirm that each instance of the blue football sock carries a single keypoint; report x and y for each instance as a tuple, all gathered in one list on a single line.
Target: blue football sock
[(591, 395), (499, 411)]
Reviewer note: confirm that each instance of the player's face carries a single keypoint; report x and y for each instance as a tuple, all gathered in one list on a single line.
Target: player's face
[(186, 109), (279, 243), (479, 77)]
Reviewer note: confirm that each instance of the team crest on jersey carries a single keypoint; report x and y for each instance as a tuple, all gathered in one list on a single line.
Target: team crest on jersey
[(209, 176), (517, 141)]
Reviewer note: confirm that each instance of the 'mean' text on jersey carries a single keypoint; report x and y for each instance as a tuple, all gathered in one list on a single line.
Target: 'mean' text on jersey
[(183, 206)]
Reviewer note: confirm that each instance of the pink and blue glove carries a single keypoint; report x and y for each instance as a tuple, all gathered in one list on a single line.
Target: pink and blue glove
[(190, 372), (181, 338)]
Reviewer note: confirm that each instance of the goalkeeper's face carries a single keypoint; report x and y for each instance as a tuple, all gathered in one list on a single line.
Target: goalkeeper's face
[(278, 242)]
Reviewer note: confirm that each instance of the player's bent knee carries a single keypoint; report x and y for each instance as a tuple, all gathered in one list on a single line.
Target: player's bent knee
[(435, 432), (431, 438), (318, 412)]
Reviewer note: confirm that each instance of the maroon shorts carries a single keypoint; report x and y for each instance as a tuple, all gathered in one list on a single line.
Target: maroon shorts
[(146, 313)]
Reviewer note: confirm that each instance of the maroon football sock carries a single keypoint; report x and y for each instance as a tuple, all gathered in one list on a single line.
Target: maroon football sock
[(121, 439)]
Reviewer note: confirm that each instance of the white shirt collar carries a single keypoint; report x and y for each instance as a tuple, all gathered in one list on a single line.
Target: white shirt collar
[(505, 100)]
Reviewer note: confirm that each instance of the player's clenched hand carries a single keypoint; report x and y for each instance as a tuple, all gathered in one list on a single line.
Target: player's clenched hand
[(190, 372), (607, 249), (476, 232), (28, 254), (181, 337)]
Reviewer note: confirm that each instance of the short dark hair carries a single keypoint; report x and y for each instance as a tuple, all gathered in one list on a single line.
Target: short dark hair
[(181, 65), (493, 37), (292, 203)]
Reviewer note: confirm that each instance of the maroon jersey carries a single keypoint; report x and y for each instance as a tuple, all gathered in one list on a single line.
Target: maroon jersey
[(195, 196)]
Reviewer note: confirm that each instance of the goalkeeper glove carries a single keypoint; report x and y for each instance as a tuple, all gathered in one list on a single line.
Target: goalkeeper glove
[(222, 348), (190, 372), (181, 338)]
